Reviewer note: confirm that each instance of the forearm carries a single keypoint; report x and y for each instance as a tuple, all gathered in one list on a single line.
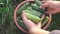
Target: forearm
[(48, 0), (38, 31), (44, 32)]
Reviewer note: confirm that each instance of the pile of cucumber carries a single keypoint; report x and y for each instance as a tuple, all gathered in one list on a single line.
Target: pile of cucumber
[(33, 12)]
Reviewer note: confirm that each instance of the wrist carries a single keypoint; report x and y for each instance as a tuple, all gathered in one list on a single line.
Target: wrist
[(48, 0), (38, 31), (34, 31)]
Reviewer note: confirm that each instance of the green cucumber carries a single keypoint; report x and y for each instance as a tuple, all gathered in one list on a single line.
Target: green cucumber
[(35, 7), (23, 7), (37, 2), (33, 17), (29, 8), (33, 12), (45, 20), (22, 24)]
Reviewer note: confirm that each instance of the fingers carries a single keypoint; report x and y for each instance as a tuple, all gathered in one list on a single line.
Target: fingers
[(24, 16), (39, 23), (51, 12), (27, 22), (44, 5), (43, 1), (43, 16)]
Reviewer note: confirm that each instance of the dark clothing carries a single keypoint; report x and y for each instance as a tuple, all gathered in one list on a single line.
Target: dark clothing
[(55, 32)]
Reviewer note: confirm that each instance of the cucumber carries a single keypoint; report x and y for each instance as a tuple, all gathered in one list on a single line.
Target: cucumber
[(34, 18), (35, 7), (33, 12), (42, 10), (29, 8), (23, 7), (37, 2), (22, 24), (45, 20)]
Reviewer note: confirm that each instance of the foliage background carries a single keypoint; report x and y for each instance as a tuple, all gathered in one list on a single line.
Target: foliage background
[(7, 25)]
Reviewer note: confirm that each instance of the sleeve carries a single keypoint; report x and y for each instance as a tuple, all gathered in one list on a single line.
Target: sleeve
[(55, 32)]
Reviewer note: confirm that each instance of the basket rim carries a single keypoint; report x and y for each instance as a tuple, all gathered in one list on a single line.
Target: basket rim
[(15, 17)]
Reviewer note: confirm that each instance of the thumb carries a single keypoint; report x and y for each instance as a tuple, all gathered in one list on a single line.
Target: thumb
[(44, 5)]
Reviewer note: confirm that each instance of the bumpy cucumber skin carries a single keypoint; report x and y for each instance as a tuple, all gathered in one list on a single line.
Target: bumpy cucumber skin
[(35, 7), (33, 17), (45, 20), (37, 2), (22, 24), (29, 8), (33, 12), (23, 7)]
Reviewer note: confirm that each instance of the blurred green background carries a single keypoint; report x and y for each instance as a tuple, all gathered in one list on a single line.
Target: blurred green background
[(7, 25)]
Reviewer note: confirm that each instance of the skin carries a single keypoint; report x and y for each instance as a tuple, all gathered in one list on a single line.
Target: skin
[(48, 0), (32, 27), (53, 8)]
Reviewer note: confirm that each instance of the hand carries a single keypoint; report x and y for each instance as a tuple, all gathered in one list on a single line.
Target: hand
[(32, 27), (53, 7), (47, 0)]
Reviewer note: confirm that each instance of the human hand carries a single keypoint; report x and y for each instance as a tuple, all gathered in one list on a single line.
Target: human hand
[(53, 7), (32, 27), (47, 0)]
